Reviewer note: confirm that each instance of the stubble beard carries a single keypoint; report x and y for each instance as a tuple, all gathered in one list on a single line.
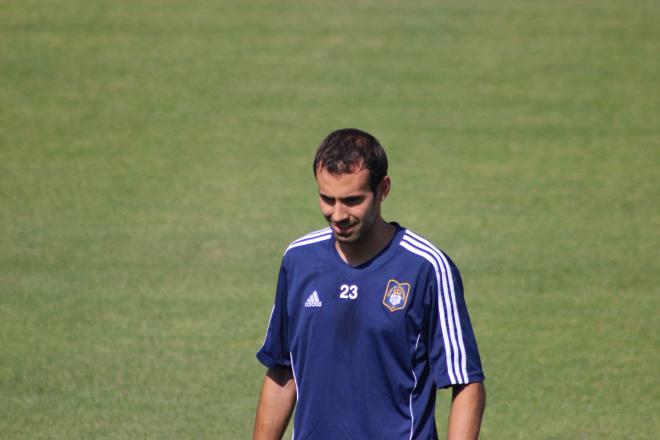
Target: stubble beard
[(351, 238), (359, 235)]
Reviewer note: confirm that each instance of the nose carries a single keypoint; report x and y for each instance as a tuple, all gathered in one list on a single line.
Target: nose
[(339, 213)]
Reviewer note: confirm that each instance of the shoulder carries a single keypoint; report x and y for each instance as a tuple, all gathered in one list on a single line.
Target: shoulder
[(308, 243), (426, 251)]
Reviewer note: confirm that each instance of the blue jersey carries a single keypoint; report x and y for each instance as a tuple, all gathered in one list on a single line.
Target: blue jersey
[(368, 345)]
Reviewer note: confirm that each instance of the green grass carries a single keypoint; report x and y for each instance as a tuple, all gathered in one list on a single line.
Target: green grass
[(155, 161)]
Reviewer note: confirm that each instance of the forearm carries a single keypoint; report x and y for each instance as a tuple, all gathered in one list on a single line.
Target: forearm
[(467, 409), (276, 402)]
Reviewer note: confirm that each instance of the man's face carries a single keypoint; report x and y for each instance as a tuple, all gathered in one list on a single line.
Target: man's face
[(348, 204)]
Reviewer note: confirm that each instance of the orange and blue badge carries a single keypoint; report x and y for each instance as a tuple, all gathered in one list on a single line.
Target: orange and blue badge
[(396, 295)]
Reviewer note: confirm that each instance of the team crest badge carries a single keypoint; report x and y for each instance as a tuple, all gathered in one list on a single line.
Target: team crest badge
[(396, 295)]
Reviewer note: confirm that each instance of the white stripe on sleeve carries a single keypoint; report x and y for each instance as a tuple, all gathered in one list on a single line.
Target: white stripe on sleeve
[(448, 349), (457, 319)]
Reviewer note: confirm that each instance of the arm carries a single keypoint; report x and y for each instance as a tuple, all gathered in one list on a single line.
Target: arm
[(278, 397), (467, 409)]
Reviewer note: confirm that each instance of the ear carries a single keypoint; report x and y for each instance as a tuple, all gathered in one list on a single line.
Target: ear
[(384, 188)]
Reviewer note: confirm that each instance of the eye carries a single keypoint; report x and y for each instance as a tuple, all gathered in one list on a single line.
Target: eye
[(327, 200), (352, 201)]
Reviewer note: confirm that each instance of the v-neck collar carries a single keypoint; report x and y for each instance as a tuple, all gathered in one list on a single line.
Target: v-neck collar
[(374, 262)]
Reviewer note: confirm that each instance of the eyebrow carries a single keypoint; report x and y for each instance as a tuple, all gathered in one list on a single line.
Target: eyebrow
[(355, 196)]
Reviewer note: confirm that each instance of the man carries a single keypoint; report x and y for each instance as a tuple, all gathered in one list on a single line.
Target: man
[(369, 319)]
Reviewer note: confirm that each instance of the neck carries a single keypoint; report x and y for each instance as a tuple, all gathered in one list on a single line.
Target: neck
[(368, 246)]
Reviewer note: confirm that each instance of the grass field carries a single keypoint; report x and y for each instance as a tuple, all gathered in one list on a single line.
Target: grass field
[(155, 161)]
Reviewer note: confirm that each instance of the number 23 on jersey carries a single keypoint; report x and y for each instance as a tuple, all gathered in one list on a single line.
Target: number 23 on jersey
[(347, 291)]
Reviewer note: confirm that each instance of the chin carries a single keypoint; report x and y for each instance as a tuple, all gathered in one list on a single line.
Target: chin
[(347, 238)]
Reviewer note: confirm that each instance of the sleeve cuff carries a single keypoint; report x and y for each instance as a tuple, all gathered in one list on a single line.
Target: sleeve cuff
[(472, 378), (271, 362)]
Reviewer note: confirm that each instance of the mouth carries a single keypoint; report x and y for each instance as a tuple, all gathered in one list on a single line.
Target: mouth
[(343, 230)]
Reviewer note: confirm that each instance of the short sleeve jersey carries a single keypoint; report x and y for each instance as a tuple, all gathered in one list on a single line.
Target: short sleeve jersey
[(368, 345)]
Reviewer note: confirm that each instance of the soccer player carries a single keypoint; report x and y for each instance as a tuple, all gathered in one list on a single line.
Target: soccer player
[(369, 319)]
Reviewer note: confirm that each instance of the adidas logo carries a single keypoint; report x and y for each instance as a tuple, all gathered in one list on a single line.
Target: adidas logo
[(313, 300)]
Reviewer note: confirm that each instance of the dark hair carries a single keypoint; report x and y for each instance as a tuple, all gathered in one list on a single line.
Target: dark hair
[(342, 151)]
